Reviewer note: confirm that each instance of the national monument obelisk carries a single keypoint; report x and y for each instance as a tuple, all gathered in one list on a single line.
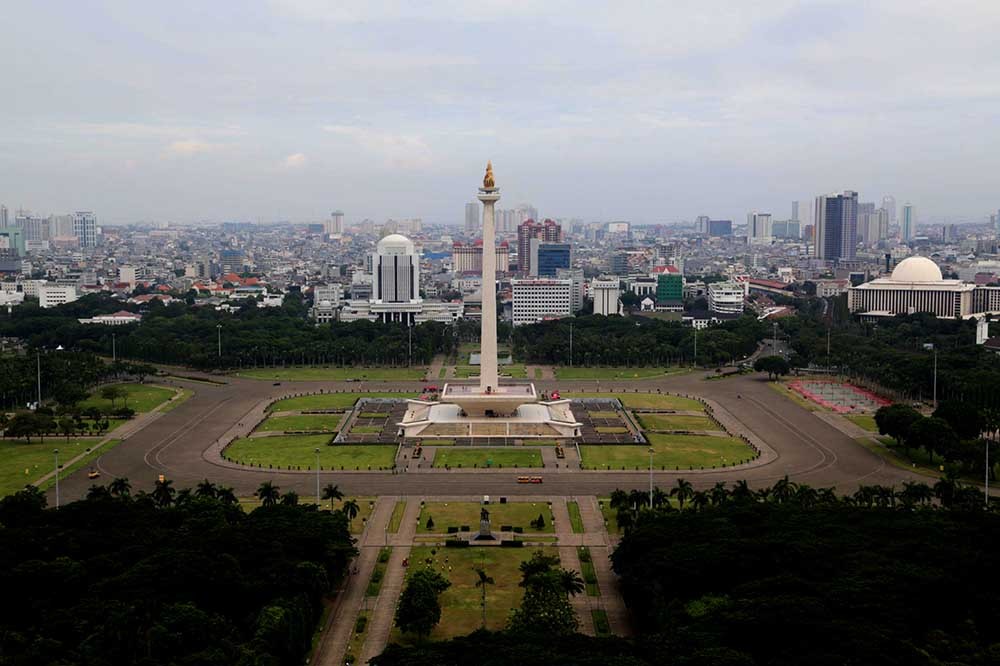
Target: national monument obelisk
[(489, 194)]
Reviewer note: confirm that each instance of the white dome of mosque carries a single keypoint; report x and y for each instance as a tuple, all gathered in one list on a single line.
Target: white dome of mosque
[(916, 269), (395, 244)]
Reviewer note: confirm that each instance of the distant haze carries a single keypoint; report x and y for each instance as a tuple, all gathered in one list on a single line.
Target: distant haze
[(288, 109)]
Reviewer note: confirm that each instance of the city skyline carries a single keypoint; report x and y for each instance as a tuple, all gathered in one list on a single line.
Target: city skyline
[(281, 111)]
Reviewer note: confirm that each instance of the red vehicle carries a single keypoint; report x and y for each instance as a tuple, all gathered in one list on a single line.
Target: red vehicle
[(430, 389)]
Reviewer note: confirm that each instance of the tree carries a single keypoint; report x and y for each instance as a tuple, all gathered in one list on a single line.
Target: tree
[(23, 424), (774, 366), (419, 609), (120, 487), (351, 509), (205, 489), (69, 394), (935, 436), (546, 608), (290, 498), (113, 393), (268, 494), (963, 417), (332, 492), (482, 581), (67, 426), (895, 421), (571, 582), (4, 422), (682, 491), (226, 495), (163, 492)]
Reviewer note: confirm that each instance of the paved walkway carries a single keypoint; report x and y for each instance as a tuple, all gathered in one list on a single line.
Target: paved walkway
[(340, 625), (434, 371), (570, 559), (381, 618)]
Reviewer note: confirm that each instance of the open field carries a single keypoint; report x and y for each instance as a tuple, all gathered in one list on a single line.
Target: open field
[(141, 398), (312, 422), (564, 372), (645, 400), (397, 516), (667, 422), (300, 451), (669, 452), (38, 459), (866, 421), (320, 374), (330, 401), (461, 612), (487, 457), (456, 514)]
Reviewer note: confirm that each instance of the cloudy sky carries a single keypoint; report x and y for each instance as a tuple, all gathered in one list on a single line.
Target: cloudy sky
[(660, 111)]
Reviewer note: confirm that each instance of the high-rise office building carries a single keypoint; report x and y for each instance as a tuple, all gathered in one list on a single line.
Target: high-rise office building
[(874, 227), (548, 258), (759, 230), (701, 224), (231, 261), (538, 299), (795, 211), (468, 257), (4, 217), (906, 224), (606, 294), (836, 222), (472, 217), (395, 270), (889, 203), (85, 228), (547, 231), (720, 228), (574, 275), (335, 225)]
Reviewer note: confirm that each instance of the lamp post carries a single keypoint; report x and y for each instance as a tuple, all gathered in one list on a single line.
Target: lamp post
[(651, 451), (571, 344), (218, 328), (317, 476), (56, 452), (114, 349), (38, 361)]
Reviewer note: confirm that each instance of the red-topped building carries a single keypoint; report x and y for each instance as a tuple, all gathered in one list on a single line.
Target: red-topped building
[(547, 232)]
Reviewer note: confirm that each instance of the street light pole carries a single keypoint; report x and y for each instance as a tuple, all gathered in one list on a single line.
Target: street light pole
[(56, 451), (935, 378), (774, 339), (695, 363), (114, 349), (651, 478), (571, 344), (218, 327), (409, 345), (986, 491), (317, 477), (38, 359)]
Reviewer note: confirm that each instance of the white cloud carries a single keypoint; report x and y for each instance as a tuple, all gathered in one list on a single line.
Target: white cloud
[(295, 161), (393, 149), (188, 147)]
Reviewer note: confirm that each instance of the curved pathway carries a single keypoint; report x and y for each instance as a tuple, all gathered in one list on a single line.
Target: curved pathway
[(182, 444)]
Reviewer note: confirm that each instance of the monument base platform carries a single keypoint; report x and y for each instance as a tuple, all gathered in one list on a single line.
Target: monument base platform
[(441, 420)]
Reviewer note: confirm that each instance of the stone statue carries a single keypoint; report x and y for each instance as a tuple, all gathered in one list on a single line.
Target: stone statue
[(484, 514), (488, 182)]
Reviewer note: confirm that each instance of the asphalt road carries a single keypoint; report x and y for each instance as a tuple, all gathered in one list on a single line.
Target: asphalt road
[(808, 449)]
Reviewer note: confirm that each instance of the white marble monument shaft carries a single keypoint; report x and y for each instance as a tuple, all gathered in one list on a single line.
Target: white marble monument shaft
[(488, 333)]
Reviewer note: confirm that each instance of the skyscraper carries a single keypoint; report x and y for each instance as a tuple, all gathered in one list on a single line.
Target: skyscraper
[(836, 223), (395, 274), (547, 231), (3, 216), (471, 217), (759, 229), (906, 224), (889, 203), (334, 225), (701, 224), (85, 228), (795, 211), (548, 258)]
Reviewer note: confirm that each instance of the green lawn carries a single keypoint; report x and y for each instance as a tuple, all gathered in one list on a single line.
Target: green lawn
[(141, 398), (330, 401), (488, 457), (378, 573), (397, 516), (456, 514), (21, 463), (575, 519), (670, 451), (313, 422), (668, 422), (365, 430), (300, 451), (645, 400), (372, 415), (866, 421), (588, 573), (515, 371), (564, 372), (461, 612), (602, 628), (610, 515), (604, 415), (333, 373), (611, 430)]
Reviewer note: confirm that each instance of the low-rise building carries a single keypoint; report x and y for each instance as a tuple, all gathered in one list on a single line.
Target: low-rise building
[(535, 300)]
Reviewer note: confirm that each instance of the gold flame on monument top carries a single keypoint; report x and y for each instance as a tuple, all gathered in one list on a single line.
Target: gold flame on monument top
[(488, 182)]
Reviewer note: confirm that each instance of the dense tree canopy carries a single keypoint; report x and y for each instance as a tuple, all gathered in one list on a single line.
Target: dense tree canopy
[(165, 578)]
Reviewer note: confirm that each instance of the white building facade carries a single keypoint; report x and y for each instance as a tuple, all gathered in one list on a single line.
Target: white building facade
[(535, 300)]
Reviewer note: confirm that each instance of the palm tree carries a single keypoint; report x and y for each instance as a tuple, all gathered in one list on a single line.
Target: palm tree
[(660, 498), (682, 491), (97, 492), (637, 498), (183, 496), (482, 580), (619, 498), (719, 494), (163, 492), (699, 500), (332, 492), (226, 495), (268, 494), (827, 496), (350, 509), (205, 489), (783, 490), (120, 487), (570, 582), (915, 493), (291, 498), (741, 491), (806, 495)]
